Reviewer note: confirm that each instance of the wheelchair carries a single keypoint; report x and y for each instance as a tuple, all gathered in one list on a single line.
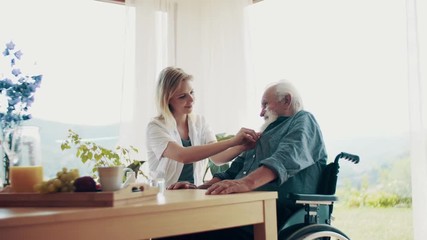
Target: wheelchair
[(313, 220)]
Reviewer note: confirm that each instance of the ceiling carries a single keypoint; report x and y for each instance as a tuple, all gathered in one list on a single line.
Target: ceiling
[(123, 1)]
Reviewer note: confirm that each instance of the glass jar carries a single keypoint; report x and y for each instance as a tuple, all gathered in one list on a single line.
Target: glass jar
[(24, 153)]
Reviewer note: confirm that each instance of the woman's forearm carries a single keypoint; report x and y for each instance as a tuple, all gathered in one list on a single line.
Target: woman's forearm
[(245, 137), (196, 153), (227, 155)]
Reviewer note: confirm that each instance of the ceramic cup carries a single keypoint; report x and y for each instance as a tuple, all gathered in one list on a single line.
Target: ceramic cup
[(111, 178)]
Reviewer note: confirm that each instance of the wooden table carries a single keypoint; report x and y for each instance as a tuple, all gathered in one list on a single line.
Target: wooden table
[(172, 213)]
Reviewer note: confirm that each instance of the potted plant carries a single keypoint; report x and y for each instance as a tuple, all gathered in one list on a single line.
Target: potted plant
[(101, 156)]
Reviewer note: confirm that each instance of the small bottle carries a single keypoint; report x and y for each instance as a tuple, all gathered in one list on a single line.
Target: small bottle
[(158, 182), (161, 184)]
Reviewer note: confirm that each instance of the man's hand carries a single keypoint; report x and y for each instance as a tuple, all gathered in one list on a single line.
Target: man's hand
[(255, 179), (229, 186), (182, 185)]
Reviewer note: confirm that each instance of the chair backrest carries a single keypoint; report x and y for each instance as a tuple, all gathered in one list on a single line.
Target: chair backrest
[(328, 181)]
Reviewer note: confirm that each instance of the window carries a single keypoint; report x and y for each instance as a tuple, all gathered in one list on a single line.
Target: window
[(351, 71), (348, 59), (78, 46)]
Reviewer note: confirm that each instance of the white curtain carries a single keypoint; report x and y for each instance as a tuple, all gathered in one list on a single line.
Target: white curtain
[(417, 72), (206, 39)]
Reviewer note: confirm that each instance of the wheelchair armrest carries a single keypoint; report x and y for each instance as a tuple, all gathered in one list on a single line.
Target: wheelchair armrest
[(300, 198)]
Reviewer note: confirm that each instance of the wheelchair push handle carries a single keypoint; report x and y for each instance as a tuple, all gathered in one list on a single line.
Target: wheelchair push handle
[(350, 157)]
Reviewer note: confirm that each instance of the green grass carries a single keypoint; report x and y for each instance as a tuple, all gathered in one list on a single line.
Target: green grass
[(374, 223)]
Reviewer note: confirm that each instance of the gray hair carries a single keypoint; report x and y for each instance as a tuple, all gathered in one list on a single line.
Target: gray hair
[(283, 88)]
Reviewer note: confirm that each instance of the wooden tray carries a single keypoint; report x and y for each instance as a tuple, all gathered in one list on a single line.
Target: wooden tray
[(76, 199)]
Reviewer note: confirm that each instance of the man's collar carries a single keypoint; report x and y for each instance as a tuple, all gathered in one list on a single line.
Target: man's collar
[(275, 123)]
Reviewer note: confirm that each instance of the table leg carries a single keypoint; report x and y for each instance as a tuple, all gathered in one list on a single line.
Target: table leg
[(268, 229)]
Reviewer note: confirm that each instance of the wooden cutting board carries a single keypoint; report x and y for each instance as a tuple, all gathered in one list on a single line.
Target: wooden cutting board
[(76, 199)]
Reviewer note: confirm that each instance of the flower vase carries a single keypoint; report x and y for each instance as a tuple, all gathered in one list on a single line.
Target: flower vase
[(4, 177), (7, 149), (20, 147)]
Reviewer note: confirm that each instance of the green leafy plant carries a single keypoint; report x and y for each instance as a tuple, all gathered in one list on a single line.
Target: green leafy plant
[(101, 156), (211, 166)]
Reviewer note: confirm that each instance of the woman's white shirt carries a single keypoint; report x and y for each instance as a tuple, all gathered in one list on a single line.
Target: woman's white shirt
[(159, 135)]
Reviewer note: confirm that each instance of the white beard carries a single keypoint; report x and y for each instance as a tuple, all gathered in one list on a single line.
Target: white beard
[(269, 117)]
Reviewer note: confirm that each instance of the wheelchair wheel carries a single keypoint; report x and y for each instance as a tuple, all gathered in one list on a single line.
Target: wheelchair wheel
[(318, 231)]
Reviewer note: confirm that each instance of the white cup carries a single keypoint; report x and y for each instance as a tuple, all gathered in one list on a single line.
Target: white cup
[(111, 178)]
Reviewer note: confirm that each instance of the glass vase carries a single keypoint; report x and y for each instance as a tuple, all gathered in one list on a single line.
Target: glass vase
[(21, 151)]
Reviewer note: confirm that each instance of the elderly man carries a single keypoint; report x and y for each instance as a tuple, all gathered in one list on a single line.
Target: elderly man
[(288, 157)]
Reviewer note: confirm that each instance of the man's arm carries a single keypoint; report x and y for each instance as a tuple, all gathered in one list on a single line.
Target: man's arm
[(257, 178), (228, 174), (209, 183)]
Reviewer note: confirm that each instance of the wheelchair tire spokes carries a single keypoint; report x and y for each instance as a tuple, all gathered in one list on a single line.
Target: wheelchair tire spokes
[(317, 231)]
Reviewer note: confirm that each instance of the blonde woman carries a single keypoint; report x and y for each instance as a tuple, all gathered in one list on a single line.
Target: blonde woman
[(178, 141)]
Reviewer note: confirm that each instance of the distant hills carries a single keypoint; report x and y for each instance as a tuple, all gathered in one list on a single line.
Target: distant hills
[(375, 153), (52, 135)]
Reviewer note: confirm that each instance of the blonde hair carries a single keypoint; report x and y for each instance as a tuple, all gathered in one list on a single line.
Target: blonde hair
[(168, 82)]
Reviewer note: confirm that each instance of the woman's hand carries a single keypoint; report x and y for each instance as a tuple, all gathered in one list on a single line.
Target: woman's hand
[(246, 136), (182, 185), (250, 145)]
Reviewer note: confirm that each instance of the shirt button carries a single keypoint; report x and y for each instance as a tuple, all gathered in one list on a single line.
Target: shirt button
[(253, 156), (244, 172)]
